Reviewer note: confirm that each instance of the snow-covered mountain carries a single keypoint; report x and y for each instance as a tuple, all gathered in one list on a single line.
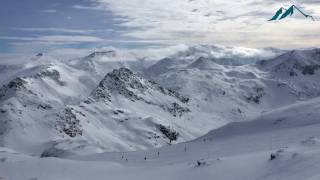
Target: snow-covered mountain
[(108, 101), (99, 63), (239, 92), (34, 94), (280, 144), (198, 113), (125, 112)]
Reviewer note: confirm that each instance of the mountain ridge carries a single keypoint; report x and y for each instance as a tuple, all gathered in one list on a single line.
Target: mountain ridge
[(190, 92)]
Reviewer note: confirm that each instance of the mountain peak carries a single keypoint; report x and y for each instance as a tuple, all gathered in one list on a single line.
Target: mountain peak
[(123, 73), (16, 85), (294, 62), (123, 82), (109, 53), (39, 55), (203, 63)]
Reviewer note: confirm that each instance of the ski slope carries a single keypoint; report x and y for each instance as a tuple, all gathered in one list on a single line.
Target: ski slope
[(236, 151), (202, 112)]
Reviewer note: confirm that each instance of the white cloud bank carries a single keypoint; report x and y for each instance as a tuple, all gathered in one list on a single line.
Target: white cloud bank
[(49, 11), (77, 6), (238, 22)]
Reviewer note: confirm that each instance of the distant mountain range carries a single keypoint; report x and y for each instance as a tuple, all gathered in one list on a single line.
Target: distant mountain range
[(199, 113), (100, 103)]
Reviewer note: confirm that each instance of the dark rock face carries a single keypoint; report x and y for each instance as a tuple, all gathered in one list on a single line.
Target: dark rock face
[(132, 86), (44, 106), (170, 92), (118, 81), (100, 93), (256, 95), (19, 84), (176, 110), (310, 70), (125, 82), (15, 85), (53, 152), (170, 133), (39, 55), (68, 123), (53, 74)]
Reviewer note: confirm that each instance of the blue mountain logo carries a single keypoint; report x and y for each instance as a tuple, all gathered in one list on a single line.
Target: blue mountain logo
[(283, 13)]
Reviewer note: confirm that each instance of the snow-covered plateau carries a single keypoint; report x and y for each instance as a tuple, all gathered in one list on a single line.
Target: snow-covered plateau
[(195, 112)]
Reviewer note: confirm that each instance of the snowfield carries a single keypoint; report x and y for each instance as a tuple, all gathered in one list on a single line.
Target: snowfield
[(236, 151), (203, 112)]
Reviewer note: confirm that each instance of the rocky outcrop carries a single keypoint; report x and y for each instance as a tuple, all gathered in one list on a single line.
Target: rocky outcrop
[(132, 86), (68, 123)]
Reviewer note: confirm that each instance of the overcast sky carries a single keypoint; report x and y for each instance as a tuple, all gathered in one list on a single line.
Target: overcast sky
[(43, 25)]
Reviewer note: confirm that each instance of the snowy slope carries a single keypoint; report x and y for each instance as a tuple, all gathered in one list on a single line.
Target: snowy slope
[(125, 112), (143, 107), (254, 113), (297, 69), (239, 92), (27, 101), (290, 134), (92, 104), (33, 95)]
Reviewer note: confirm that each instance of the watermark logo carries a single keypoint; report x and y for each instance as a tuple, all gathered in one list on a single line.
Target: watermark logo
[(284, 13)]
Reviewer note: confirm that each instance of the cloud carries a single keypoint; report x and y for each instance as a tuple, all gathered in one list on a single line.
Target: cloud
[(49, 11), (211, 21), (313, 2), (87, 7)]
